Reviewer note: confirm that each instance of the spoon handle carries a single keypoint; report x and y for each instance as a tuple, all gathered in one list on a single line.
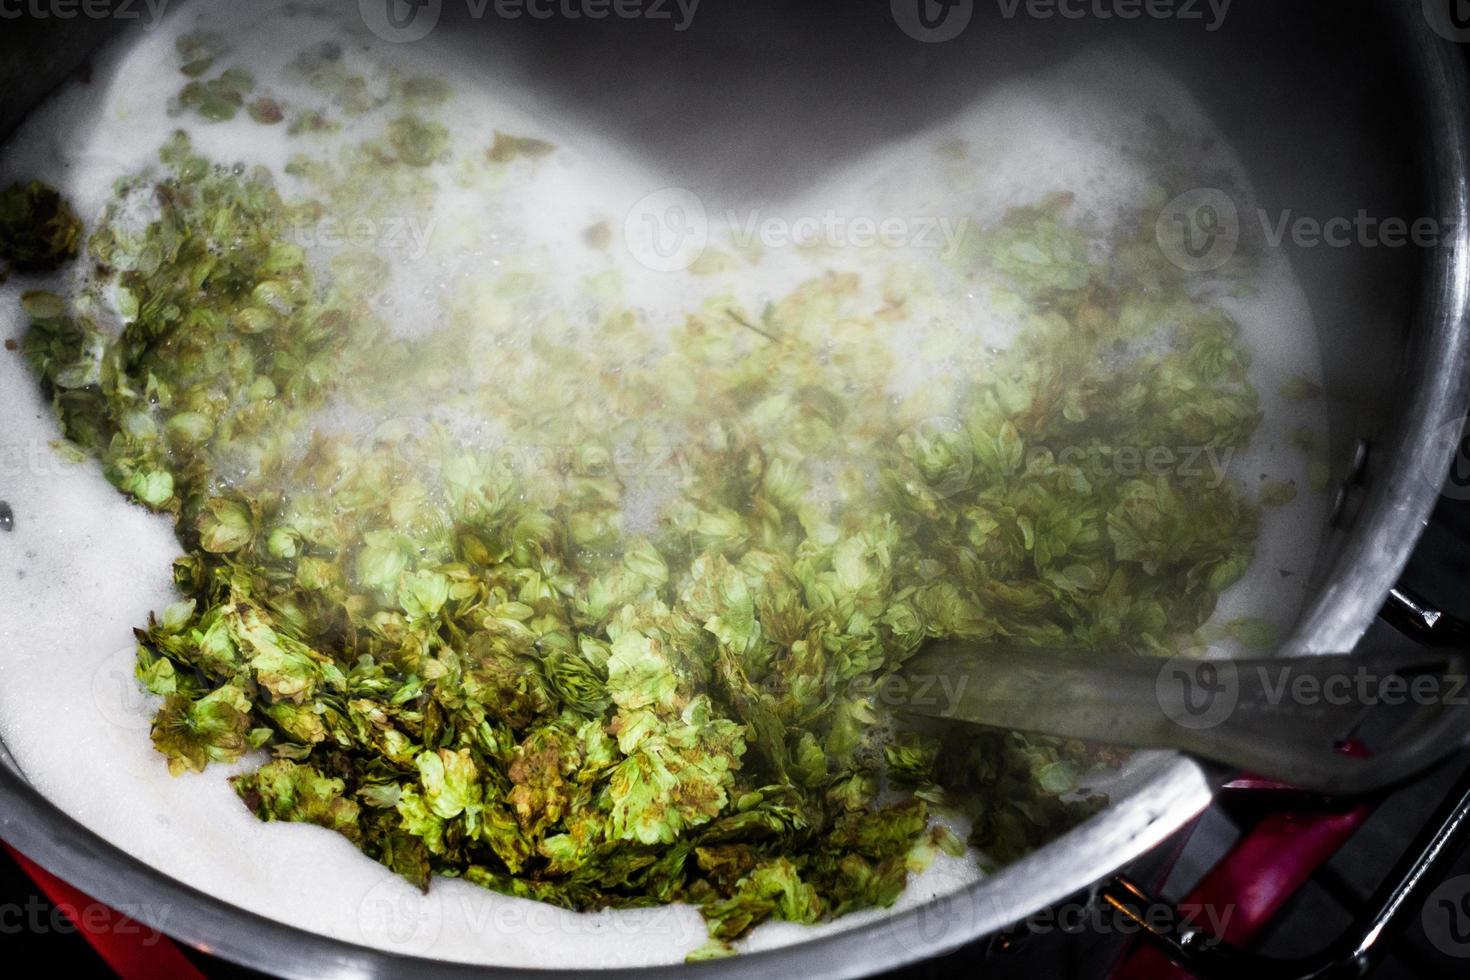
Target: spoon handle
[(1278, 717)]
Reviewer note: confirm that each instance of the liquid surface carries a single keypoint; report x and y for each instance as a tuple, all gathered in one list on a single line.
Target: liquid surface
[(83, 566)]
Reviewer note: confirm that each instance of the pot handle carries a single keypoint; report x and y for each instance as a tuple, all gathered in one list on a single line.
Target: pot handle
[(1358, 950), (1420, 620), (132, 950)]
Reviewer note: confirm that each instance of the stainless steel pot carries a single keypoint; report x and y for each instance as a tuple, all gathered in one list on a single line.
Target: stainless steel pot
[(1356, 105)]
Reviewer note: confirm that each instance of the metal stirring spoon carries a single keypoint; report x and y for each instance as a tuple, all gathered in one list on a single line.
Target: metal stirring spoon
[(1281, 718)]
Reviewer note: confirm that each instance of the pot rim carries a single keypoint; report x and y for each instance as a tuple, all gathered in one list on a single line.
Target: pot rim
[(1373, 557)]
